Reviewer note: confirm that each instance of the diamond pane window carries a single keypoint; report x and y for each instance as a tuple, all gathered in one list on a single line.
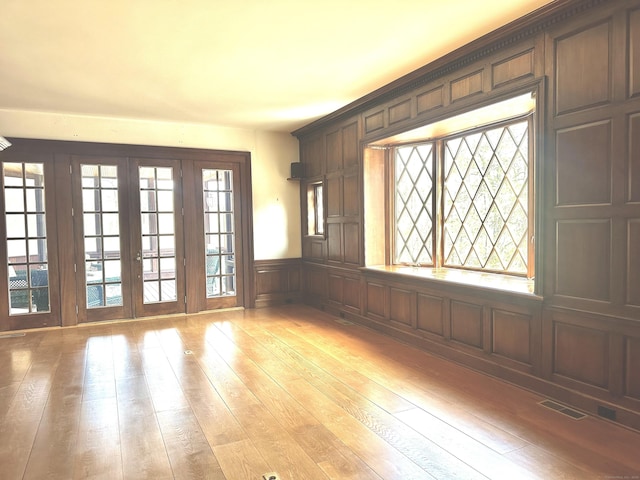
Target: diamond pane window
[(414, 176), (485, 192)]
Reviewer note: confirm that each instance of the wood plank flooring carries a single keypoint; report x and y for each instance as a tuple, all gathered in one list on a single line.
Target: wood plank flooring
[(236, 394)]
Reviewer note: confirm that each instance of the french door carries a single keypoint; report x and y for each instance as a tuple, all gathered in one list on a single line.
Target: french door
[(129, 242), (115, 235)]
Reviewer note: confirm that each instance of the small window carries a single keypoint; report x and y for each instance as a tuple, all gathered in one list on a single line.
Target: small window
[(315, 209)]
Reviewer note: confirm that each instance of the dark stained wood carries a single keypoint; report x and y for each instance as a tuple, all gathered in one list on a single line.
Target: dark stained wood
[(334, 242), (583, 259), (633, 263), (334, 151), (334, 196), (351, 243), (277, 281), (352, 293), (374, 122), (634, 53), (512, 335), (585, 149), (400, 111), (570, 341), (430, 314), (633, 163), (431, 99), (632, 364), (583, 68), (466, 323), (466, 86), (376, 299), (514, 68), (351, 196), (402, 306), (350, 145)]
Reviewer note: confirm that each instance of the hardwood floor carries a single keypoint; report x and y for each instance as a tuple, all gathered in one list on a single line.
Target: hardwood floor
[(237, 394)]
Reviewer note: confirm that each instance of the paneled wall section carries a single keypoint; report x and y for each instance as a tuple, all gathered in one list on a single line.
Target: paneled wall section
[(578, 339)]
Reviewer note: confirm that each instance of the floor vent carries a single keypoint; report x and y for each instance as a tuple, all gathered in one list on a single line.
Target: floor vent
[(569, 412), (342, 321), (12, 335)]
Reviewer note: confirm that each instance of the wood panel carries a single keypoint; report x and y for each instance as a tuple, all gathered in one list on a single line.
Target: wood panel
[(336, 288), (352, 293), (633, 262), (352, 243), (316, 282), (466, 323), (512, 335), (581, 354), (334, 242), (466, 86), (431, 99), (277, 281), (400, 111), (430, 314), (376, 299), (633, 52), (312, 154), (351, 196), (632, 367), (334, 196), (583, 258), (350, 145), (633, 162), (374, 121), (583, 68), (514, 68), (585, 149), (401, 306), (334, 151)]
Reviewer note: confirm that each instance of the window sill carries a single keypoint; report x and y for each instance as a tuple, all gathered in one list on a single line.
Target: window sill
[(477, 280)]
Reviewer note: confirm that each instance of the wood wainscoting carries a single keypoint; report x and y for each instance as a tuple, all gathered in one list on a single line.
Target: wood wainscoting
[(277, 281)]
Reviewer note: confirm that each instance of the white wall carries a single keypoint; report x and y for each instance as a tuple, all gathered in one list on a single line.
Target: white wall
[(276, 201)]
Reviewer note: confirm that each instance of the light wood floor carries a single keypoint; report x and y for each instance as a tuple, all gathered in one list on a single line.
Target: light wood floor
[(237, 394)]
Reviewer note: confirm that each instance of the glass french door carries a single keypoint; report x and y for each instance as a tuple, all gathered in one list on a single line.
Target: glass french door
[(220, 224), (130, 261), (31, 277), (157, 243), (115, 232)]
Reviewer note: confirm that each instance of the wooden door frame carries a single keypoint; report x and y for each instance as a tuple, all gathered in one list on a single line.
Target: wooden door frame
[(59, 154)]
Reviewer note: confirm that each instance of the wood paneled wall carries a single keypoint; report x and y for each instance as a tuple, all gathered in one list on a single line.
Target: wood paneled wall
[(277, 281), (578, 338)]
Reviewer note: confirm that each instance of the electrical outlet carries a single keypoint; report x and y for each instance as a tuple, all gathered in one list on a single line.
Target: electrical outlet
[(270, 476)]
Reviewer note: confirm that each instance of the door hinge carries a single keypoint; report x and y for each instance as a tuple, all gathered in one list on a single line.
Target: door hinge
[(185, 299), (70, 169), (76, 310), (72, 211), (75, 268)]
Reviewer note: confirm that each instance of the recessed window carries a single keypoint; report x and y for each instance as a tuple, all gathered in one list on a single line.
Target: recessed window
[(315, 209), (460, 197)]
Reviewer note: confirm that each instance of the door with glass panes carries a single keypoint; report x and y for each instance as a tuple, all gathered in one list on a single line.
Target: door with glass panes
[(31, 281), (219, 223), (130, 260)]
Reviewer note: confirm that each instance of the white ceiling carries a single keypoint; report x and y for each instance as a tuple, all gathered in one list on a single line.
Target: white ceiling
[(259, 64)]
